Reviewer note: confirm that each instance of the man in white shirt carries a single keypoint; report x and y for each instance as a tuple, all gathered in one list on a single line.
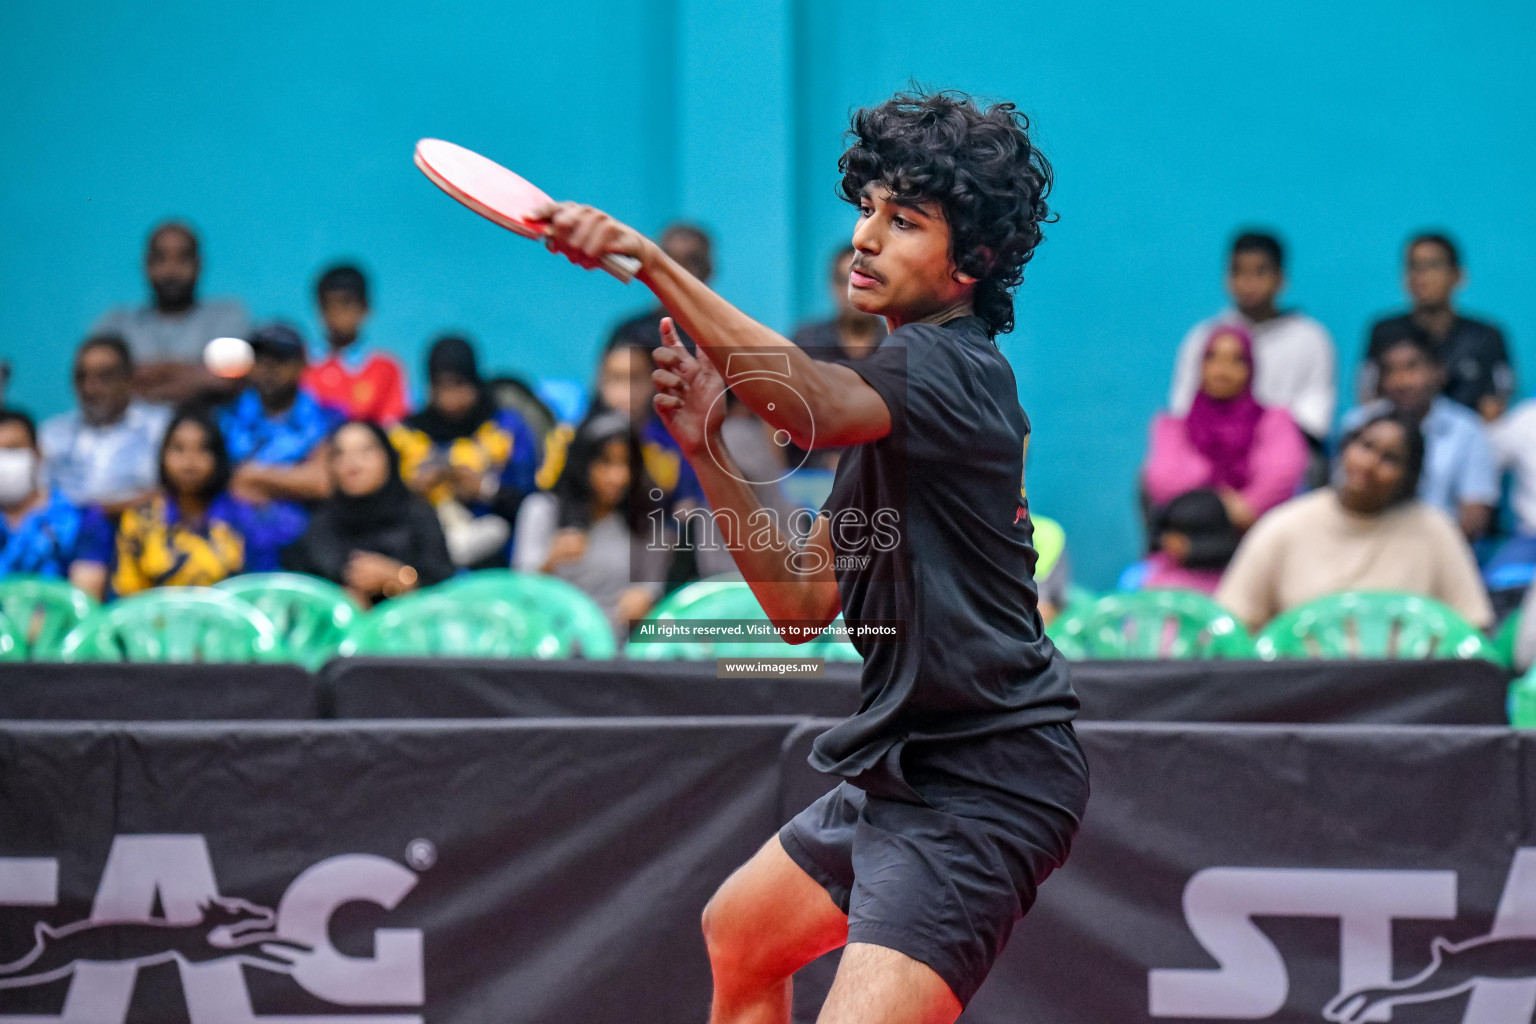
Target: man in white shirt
[(1293, 354), (107, 451), (167, 337)]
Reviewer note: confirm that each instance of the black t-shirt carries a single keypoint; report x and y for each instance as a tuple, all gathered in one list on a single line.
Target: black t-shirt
[(1476, 359), (930, 529), (823, 339)]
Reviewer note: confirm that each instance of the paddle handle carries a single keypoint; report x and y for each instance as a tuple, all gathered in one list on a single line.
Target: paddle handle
[(622, 267)]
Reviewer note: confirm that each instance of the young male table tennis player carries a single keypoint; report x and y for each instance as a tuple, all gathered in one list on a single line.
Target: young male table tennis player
[(963, 780)]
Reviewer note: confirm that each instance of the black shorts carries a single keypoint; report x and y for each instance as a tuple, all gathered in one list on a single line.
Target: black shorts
[(946, 850)]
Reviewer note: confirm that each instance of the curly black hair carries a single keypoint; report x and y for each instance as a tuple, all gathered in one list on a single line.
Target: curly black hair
[(977, 164)]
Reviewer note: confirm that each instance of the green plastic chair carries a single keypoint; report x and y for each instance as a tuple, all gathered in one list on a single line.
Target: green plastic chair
[(680, 604), (175, 624), (311, 615), (43, 609), (1372, 624), (12, 644), (727, 597), (1522, 701), (431, 624), (1079, 598), (737, 601), (1504, 640), (1151, 624), (572, 624)]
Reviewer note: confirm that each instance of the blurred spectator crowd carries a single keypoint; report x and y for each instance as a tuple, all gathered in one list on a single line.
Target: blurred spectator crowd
[(1251, 496), (315, 461), (165, 474)]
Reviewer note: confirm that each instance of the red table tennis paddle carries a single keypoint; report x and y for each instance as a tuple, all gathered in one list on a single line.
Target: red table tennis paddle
[(497, 194)]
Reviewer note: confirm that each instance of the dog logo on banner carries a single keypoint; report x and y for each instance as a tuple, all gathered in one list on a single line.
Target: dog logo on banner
[(210, 937), (226, 926), (1496, 973)]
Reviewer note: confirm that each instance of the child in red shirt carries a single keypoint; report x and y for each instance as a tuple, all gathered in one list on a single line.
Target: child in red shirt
[(365, 387)]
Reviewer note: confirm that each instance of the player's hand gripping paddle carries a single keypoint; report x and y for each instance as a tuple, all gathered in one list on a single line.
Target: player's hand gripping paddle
[(497, 194)]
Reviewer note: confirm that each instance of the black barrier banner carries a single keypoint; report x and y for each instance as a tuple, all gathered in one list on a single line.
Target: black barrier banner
[(554, 871), (1262, 873), (365, 688), (514, 873), (1290, 875), (1448, 692), (1379, 692), (134, 692)]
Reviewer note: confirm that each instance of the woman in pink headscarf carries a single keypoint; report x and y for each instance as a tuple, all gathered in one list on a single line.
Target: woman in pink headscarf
[(1245, 458)]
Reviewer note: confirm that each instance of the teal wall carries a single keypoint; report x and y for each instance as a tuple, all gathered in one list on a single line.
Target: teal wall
[(283, 131)]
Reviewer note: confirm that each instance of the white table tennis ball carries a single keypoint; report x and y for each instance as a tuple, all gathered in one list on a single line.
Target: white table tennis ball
[(229, 357)]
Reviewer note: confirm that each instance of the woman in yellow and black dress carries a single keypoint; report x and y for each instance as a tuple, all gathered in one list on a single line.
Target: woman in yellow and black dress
[(192, 532)]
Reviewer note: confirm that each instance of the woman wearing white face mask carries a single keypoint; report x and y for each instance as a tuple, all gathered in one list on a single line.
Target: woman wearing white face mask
[(40, 533)]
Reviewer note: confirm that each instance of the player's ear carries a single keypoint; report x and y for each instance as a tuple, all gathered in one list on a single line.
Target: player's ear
[(982, 258)]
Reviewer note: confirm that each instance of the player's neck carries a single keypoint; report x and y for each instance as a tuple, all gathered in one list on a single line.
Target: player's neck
[(961, 307)]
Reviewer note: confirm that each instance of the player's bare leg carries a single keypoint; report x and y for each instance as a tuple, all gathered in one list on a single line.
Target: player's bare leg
[(766, 922), (876, 985)]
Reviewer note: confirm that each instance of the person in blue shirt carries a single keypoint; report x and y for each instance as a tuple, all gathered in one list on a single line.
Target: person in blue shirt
[(1459, 467), (276, 432), (42, 533)]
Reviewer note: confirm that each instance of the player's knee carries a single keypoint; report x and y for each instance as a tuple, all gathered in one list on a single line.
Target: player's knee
[(710, 922), (724, 937)]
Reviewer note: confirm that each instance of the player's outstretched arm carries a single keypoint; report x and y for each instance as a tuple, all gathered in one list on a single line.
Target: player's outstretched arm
[(792, 582), (840, 408)]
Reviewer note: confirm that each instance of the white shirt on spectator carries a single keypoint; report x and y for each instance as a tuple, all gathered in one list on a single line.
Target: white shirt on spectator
[(104, 464), (1514, 446), (1294, 367), (156, 337)]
